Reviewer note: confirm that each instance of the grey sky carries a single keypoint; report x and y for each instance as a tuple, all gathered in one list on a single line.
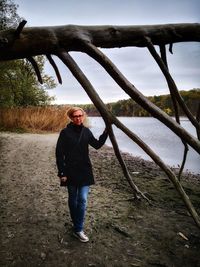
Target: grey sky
[(135, 63)]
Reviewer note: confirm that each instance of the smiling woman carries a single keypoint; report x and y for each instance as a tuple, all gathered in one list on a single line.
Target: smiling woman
[(74, 166), (77, 115)]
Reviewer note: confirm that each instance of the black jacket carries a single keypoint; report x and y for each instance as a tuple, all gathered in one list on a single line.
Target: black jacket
[(72, 158)]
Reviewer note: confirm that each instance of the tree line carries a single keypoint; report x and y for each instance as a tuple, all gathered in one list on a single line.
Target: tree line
[(130, 108)]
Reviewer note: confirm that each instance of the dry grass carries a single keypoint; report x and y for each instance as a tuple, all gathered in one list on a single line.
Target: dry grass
[(34, 119)]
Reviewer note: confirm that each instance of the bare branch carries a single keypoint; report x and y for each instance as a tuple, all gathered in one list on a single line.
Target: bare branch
[(173, 96), (176, 110), (170, 48), (171, 83), (139, 98), (186, 149), (35, 66), (198, 119), (52, 62), (123, 165), (163, 54), (20, 28)]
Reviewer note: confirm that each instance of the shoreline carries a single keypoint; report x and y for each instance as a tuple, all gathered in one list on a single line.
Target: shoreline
[(108, 150), (35, 225), (138, 165), (140, 158), (159, 138)]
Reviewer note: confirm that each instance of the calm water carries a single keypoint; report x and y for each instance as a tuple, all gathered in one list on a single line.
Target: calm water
[(161, 140)]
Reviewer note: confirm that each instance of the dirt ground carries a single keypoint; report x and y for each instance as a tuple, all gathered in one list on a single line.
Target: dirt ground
[(35, 228)]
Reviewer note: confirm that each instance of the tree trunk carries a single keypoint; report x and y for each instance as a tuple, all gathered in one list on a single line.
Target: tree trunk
[(34, 41)]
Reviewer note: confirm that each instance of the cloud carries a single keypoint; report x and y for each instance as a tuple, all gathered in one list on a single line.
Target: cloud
[(135, 63)]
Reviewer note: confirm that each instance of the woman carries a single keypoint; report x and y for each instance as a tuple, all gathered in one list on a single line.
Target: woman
[(74, 166)]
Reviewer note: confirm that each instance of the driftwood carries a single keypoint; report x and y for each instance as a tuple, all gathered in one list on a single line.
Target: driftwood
[(33, 41)]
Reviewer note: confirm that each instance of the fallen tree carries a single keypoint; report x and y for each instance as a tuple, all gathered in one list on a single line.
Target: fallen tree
[(32, 41)]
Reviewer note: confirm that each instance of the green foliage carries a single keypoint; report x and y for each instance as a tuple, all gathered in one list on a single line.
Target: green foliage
[(19, 85), (130, 108), (18, 82)]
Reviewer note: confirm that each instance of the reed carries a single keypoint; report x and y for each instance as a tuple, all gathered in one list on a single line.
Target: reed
[(34, 119)]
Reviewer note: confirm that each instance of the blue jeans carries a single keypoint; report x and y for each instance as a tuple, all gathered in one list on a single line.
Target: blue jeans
[(77, 201)]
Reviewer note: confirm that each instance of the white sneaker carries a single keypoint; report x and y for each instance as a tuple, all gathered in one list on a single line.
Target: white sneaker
[(81, 236)]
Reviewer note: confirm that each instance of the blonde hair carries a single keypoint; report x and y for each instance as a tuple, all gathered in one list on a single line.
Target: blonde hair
[(74, 109)]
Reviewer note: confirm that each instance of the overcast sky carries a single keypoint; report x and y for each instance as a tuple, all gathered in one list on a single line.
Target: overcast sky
[(135, 63)]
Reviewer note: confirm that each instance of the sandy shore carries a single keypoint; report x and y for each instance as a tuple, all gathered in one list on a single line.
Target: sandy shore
[(35, 224)]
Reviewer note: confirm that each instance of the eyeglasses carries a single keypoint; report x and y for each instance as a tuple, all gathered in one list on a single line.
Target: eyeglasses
[(77, 116)]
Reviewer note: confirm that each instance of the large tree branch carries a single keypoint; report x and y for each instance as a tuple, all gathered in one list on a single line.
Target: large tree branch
[(46, 40), (139, 98)]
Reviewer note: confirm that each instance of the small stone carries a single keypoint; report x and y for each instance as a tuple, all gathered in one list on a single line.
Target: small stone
[(43, 256)]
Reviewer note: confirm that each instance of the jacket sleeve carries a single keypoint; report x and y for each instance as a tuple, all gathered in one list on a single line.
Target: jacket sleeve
[(60, 156), (95, 142)]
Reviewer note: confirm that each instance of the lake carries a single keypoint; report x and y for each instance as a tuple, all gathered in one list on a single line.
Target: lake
[(157, 136)]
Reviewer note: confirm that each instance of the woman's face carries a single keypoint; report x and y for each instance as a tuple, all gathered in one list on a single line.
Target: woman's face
[(77, 117)]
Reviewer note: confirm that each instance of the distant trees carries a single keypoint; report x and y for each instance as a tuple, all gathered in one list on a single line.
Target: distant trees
[(130, 108), (18, 83), (191, 99)]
